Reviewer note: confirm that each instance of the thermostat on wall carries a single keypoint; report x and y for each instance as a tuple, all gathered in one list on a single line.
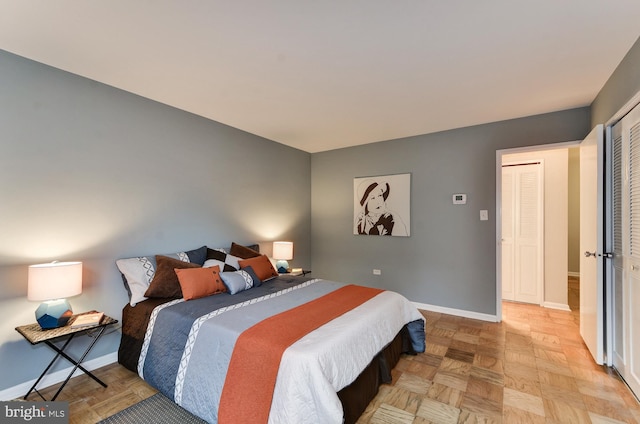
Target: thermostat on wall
[(459, 199)]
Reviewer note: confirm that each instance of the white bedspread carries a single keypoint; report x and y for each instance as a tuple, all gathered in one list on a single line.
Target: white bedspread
[(331, 357)]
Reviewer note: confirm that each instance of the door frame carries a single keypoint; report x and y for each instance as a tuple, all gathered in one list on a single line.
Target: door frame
[(499, 154)]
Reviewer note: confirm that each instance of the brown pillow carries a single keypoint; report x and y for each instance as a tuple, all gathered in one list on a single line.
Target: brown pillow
[(244, 252), (200, 282), (261, 265), (165, 281)]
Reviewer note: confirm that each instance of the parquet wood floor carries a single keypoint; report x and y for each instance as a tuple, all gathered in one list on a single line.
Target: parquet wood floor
[(531, 368)]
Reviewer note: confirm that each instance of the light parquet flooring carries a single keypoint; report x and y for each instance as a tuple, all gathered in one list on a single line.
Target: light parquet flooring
[(531, 368)]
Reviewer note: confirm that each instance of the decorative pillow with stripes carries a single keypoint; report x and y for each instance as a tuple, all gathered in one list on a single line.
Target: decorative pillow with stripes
[(237, 281)]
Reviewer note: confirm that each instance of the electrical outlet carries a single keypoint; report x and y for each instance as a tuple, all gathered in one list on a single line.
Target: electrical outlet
[(377, 272)]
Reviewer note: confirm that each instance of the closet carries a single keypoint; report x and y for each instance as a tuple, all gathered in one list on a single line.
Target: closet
[(624, 270)]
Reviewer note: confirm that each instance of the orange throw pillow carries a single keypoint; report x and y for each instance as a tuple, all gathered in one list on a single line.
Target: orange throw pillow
[(200, 282), (261, 265)]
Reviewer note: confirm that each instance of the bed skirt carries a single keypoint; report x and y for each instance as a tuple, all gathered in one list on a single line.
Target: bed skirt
[(356, 397)]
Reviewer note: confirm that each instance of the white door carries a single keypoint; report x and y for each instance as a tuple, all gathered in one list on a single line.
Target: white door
[(522, 229), (591, 243), (626, 286)]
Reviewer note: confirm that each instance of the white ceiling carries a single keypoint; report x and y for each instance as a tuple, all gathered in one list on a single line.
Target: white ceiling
[(324, 74)]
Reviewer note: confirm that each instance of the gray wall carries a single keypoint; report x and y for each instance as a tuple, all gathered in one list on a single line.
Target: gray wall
[(449, 260), (623, 84), (92, 173)]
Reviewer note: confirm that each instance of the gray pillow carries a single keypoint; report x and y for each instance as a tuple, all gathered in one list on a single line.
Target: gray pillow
[(237, 281), (256, 281)]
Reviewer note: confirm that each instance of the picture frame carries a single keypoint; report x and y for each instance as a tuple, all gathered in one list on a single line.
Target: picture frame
[(382, 205)]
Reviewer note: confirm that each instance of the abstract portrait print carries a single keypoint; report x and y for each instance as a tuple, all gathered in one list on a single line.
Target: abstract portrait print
[(382, 205)]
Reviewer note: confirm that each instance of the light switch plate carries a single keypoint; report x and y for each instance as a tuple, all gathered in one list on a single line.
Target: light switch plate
[(484, 215)]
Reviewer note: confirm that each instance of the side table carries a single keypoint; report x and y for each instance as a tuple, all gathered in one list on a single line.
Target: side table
[(296, 272), (34, 335)]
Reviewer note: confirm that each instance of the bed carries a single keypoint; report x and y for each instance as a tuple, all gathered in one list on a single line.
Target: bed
[(286, 350)]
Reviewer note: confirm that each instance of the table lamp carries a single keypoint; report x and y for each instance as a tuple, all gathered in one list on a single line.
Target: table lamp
[(282, 252), (54, 282)]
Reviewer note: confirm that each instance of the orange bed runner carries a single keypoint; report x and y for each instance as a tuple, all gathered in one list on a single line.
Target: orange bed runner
[(251, 377)]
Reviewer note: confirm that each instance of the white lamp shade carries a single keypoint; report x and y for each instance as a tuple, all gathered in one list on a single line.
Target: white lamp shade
[(55, 280), (283, 250)]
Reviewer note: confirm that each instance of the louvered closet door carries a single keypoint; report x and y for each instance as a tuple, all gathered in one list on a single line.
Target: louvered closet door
[(631, 126), (522, 259), (626, 287), (619, 313)]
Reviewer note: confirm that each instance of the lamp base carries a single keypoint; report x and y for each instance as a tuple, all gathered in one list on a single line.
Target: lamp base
[(282, 266), (53, 313)]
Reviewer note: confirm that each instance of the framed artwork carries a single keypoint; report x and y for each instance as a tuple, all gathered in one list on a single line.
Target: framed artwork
[(381, 205)]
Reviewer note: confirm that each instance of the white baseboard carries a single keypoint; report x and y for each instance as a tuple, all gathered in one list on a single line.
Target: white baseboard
[(19, 391), (457, 312), (574, 274), (553, 305)]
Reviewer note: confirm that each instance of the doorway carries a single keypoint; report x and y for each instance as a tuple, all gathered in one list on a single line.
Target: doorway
[(555, 245), (574, 232)]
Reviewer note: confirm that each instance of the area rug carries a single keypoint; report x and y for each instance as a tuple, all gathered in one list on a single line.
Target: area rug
[(155, 409)]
